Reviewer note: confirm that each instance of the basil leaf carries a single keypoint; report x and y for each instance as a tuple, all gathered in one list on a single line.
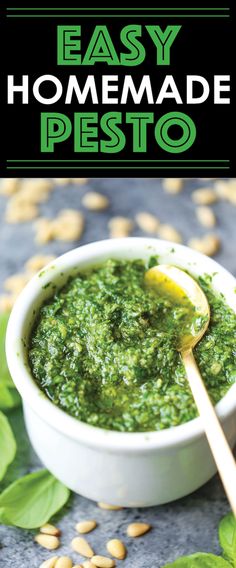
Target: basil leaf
[(199, 560), (227, 537), (24, 453), (32, 500), (9, 397), (7, 445)]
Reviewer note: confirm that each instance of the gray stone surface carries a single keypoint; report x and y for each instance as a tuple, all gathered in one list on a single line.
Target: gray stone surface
[(183, 527)]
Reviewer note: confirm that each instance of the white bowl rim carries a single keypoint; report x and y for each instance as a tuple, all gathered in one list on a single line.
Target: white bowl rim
[(110, 440)]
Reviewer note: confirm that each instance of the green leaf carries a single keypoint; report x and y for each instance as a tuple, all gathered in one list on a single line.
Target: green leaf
[(9, 397), (32, 500), (199, 560), (7, 445), (227, 537), (24, 453)]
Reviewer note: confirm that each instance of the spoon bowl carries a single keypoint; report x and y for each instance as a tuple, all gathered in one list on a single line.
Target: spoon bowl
[(180, 287)]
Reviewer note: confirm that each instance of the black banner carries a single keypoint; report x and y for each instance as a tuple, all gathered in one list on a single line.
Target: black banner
[(107, 92)]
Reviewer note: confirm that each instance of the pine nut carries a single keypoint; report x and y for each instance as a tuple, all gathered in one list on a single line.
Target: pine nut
[(138, 529), (79, 181), (173, 185), (68, 226), (204, 196), (20, 213), (88, 564), (6, 302), (50, 529), (9, 186), (61, 181), (64, 562), (226, 190), (81, 546), (37, 184), (50, 563), (232, 197), (222, 189), (103, 562), (38, 261), (209, 244), (32, 192), (109, 507), (169, 233), (147, 222), (16, 282), (85, 527), (47, 541), (206, 216), (44, 231), (95, 201), (116, 548), (120, 227)]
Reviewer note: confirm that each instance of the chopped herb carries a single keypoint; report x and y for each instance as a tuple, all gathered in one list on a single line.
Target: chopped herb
[(104, 350)]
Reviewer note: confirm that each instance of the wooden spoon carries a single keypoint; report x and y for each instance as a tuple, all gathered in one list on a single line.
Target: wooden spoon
[(177, 285)]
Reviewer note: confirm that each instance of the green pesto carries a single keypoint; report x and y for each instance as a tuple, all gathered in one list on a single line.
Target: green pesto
[(104, 350)]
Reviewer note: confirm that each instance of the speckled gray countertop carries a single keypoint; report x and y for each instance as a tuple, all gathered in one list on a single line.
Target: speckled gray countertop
[(188, 525)]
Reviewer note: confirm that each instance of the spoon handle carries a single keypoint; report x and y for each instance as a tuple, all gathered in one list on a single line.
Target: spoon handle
[(216, 438)]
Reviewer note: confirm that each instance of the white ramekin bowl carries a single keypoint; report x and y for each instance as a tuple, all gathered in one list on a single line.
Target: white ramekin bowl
[(128, 469)]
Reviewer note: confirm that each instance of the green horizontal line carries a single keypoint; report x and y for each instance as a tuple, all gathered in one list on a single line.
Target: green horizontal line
[(91, 160), (118, 15), (114, 167), (120, 9)]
